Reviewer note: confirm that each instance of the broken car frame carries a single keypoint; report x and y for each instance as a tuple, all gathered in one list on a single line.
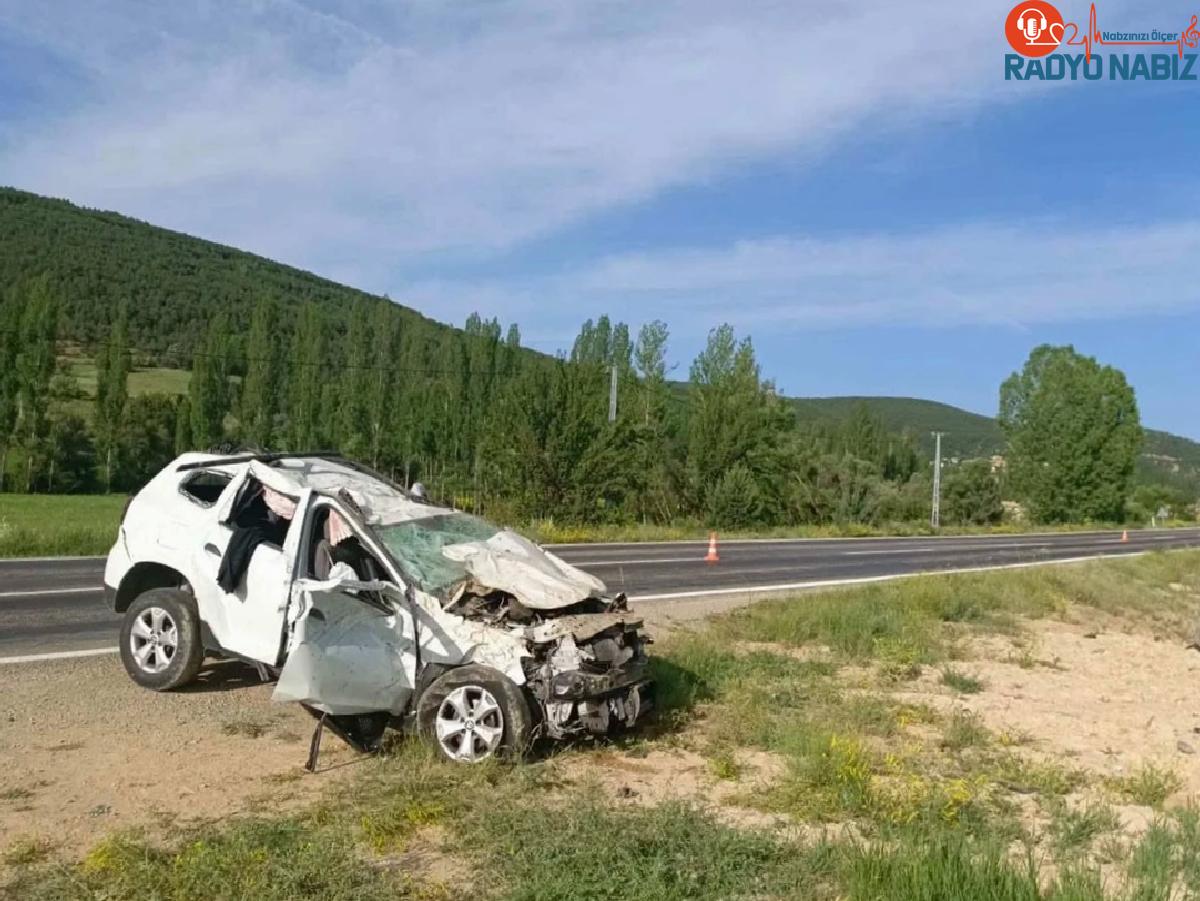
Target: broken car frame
[(373, 608)]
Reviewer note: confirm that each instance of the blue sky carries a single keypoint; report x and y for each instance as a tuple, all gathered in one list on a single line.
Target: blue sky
[(870, 202)]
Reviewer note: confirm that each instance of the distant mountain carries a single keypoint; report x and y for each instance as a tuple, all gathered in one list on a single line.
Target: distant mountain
[(1166, 457), (967, 434)]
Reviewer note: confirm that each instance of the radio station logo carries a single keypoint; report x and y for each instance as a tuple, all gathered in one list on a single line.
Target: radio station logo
[(1044, 42), (1034, 28)]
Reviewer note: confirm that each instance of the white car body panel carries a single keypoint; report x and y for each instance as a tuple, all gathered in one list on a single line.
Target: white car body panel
[(348, 656), (346, 646)]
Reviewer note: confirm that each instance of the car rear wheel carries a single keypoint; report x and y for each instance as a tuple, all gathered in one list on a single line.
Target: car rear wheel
[(160, 639), (473, 713)]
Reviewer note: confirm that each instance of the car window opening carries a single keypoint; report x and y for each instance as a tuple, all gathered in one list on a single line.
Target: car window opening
[(332, 542), (205, 486), (260, 516)]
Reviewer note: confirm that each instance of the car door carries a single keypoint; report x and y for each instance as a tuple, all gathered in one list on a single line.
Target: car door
[(353, 649), (249, 621)]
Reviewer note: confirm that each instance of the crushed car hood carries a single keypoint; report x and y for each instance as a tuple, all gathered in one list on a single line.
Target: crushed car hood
[(514, 564)]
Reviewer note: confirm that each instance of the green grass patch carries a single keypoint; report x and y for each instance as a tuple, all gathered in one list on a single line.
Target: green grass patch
[(585, 849), (1075, 829), (1023, 776), (950, 867), (49, 525), (553, 531), (143, 380), (26, 851), (961, 682), (1165, 863), (1149, 785), (964, 729), (918, 621), (277, 859)]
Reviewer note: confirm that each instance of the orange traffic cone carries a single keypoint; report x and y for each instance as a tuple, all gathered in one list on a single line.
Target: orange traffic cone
[(712, 548), (1125, 535)]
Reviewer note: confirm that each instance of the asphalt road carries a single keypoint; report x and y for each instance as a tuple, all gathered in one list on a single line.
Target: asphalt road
[(50, 606)]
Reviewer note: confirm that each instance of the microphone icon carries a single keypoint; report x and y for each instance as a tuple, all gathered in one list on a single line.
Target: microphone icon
[(1032, 23)]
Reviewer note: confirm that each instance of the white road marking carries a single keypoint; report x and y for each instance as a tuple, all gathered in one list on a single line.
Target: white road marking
[(57, 655), (695, 559), (973, 547), (1162, 533), (43, 591), (4, 560), (830, 583)]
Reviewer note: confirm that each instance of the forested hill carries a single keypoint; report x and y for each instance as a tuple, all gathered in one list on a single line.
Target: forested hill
[(967, 434), (174, 283)]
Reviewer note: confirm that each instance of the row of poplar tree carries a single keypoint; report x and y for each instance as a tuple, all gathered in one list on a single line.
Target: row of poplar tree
[(493, 427), (482, 422)]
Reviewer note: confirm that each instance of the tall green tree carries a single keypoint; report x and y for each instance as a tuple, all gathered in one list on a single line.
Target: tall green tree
[(971, 494), (656, 494), (259, 402), (147, 438), (183, 426), (733, 418), (70, 464), (10, 383), (381, 383), (35, 369), (350, 418), (1073, 436), (307, 372), (112, 389), (208, 389)]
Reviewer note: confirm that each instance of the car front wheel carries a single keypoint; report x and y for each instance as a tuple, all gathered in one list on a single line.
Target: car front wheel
[(473, 713), (160, 639)]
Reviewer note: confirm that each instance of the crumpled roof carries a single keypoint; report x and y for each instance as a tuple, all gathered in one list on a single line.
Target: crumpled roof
[(379, 501), (505, 562)]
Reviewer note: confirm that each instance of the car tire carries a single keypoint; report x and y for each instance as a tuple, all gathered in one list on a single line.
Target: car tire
[(161, 645), (474, 713)]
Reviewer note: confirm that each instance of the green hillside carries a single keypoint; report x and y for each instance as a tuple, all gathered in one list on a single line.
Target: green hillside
[(174, 283), (967, 434)]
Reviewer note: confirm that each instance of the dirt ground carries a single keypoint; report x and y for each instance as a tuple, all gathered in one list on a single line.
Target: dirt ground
[(86, 751), (1104, 700)]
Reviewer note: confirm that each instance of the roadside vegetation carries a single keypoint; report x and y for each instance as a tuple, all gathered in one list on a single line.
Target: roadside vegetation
[(40, 525), (840, 763), (47, 525), (102, 381)]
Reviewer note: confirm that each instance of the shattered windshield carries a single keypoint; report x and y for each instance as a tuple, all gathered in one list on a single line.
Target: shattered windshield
[(417, 546)]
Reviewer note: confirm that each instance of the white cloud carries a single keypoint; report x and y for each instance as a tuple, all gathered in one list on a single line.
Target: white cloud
[(361, 137), (983, 274)]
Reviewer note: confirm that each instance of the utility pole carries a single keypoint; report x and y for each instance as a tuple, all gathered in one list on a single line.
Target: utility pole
[(612, 395), (935, 516)]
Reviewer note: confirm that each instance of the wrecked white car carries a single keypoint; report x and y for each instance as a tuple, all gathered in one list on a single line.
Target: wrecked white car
[(372, 608)]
